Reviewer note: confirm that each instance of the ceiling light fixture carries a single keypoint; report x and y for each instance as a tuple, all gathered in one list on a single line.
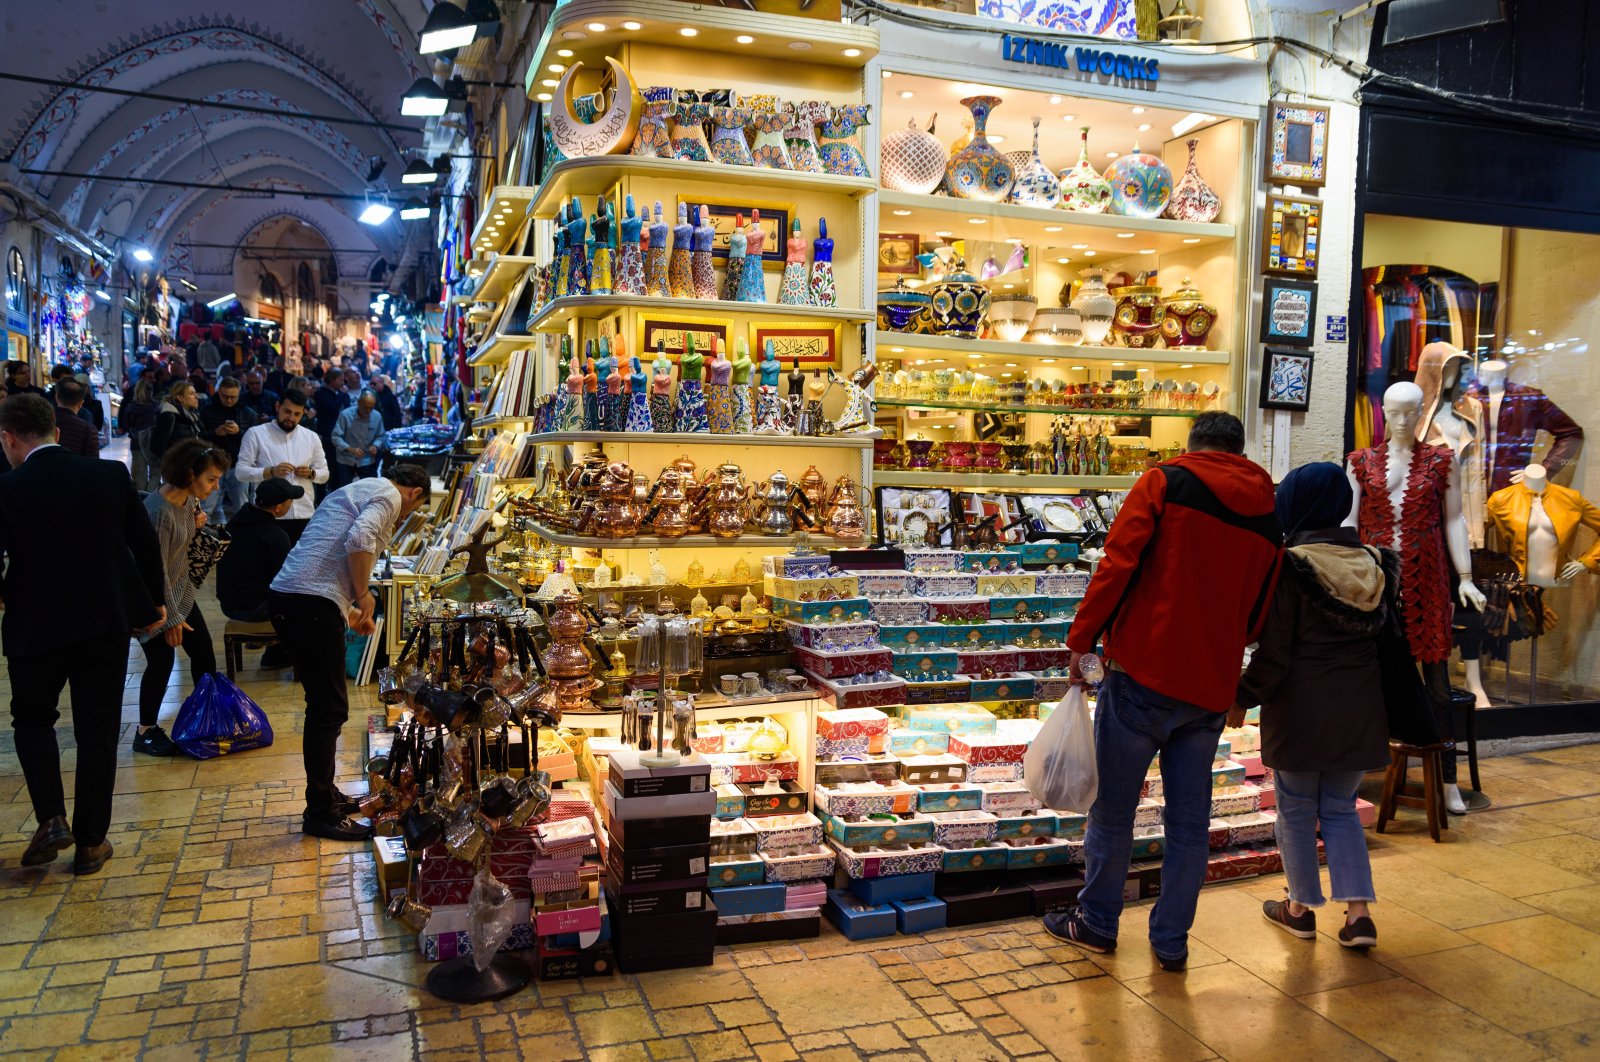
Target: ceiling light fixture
[(565, 53), (631, 25), (446, 29), (799, 46), (887, 74), (1145, 128), (745, 38), (413, 211), (906, 94), (1125, 235), (375, 213), (1055, 99), (419, 172), (1069, 117), (425, 99), (902, 213), (544, 97), (1192, 239), (597, 27), (1188, 122), (142, 254), (688, 31), (1137, 110), (1112, 154), (851, 53)]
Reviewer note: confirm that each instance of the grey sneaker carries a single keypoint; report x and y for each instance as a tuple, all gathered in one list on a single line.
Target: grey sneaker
[(1303, 926), (1359, 933)]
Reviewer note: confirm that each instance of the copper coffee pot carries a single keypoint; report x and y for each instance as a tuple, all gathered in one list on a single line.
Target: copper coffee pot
[(671, 517), (616, 515), (845, 520), (727, 502)]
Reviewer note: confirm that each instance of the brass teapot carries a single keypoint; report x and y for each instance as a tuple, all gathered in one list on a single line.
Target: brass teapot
[(616, 514), (727, 502), (845, 520), (671, 516)]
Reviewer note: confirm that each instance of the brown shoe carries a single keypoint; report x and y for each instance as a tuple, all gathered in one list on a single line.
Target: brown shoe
[(90, 859), (51, 838)]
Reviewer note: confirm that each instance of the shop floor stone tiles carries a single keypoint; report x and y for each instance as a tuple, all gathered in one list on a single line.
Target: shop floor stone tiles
[(218, 931)]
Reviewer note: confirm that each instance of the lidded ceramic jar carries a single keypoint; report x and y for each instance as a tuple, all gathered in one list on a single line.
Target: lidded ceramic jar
[(900, 309), (960, 303), (1060, 326), (1139, 314), (1189, 318), (1096, 306)]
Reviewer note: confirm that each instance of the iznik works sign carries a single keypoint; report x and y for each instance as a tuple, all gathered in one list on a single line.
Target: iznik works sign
[(1089, 61)]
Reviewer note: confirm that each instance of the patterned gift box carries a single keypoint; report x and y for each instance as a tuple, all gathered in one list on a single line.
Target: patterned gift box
[(1224, 749), (825, 635), (1050, 688), (855, 799), (983, 561), (963, 827), (798, 863), (1235, 800), (1217, 834), (886, 584), (1018, 608), (1007, 584), (900, 612), (437, 947), (995, 772), (1070, 824), (950, 718), (831, 587), (1148, 842), (931, 770), (852, 609), (969, 858), (1007, 797), (1026, 854), (856, 833), (435, 864), (1062, 584), (786, 831), (731, 767), (932, 560), (923, 664), (951, 797), (902, 638), (972, 637), (882, 769), (1245, 740), (1021, 827), (1248, 829), (1149, 812), (958, 609), (851, 722), (1035, 635), (730, 801), (1017, 686), (945, 585), (1042, 554), (842, 748), (917, 743), (1227, 773), (810, 565), (841, 663), (863, 695), (884, 863), (938, 692), (987, 748), (993, 661), (1037, 660)]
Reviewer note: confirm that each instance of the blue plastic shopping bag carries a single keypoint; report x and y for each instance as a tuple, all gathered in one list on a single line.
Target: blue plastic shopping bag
[(218, 719)]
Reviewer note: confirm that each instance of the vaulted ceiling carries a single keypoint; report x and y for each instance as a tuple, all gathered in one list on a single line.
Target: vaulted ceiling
[(300, 60)]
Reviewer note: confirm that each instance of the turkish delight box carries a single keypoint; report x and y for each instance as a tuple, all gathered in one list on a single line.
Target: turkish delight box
[(871, 862), (1010, 827), (989, 855), (987, 748), (881, 830), (963, 827), (952, 797), (840, 663), (950, 718)]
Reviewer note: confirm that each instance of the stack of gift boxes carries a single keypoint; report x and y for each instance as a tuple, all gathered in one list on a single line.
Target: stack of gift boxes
[(569, 914), (658, 854)]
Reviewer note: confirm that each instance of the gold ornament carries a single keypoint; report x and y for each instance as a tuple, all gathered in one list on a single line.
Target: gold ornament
[(612, 132)]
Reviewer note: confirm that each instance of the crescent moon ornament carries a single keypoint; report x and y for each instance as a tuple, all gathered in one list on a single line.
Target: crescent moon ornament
[(612, 131)]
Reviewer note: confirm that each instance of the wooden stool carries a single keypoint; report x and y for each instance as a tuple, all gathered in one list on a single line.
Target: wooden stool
[(238, 636), (1396, 788)]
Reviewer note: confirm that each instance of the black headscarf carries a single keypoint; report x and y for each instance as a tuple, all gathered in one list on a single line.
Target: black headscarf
[(1313, 497)]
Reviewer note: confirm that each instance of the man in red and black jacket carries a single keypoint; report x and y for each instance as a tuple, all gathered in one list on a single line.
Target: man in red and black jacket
[(1189, 570)]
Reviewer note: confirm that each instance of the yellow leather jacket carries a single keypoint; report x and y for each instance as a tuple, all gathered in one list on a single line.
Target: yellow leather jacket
[(1510, 508)]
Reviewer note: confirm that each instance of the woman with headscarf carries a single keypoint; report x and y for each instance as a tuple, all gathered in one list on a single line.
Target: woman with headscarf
[(1315, 674)]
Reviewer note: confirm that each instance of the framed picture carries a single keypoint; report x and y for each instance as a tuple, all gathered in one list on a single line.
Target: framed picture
[(774, 222), (1291, 235), (1286, 380), (1288, 312), (813, 344), (1297, 144), (897, 252), (672, 333)]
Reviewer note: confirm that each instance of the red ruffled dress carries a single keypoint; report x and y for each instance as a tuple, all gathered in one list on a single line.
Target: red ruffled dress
[(1424, 572)]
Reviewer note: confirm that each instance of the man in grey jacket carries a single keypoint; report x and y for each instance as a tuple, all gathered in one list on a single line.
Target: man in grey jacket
[(356, 437)]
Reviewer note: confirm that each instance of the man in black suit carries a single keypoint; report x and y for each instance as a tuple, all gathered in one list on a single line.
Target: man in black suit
[(76, 435), (56, 509)]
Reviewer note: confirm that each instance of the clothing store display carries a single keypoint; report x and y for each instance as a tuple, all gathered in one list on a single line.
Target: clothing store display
[(1452, 418), (1511, 509), (1508, 443)]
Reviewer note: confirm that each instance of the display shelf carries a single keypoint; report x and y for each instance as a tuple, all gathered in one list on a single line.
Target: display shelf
[(561, 538), (503, 272), (853, 442), (887, 477), (1042, 227), (498, 348), (558, 312), (1004, 407), (598, 174), (504, 211), (888, 341), (463, 300), (476, 266), (496, 423)]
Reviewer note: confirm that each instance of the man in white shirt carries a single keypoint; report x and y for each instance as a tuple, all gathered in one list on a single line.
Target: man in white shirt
[(322, 587), (284, 450)]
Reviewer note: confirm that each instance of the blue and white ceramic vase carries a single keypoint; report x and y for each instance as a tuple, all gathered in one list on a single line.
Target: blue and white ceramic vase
[(978, 171), (1036, 186), (1140, 184)]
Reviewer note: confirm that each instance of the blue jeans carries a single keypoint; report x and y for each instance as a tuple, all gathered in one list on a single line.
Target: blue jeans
[(1132, 725), (1304, 798), (230, 495)]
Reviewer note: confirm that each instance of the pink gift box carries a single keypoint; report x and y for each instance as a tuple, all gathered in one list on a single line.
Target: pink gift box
[(993, 661), (987, 748), (567, 920), (842, 723), (873, 695), (826, 664)]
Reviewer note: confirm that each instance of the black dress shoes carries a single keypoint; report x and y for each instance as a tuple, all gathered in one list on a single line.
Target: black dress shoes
[(92, 858), (49, 840), (334, 827), (345, 805)]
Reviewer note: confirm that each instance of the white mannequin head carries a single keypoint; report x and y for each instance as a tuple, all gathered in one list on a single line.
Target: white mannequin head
[(1492, 373), (1402, 408), (1535, 477)]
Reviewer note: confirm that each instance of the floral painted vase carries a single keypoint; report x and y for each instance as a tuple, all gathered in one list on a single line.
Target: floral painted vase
[(688, 127), (1192, 199), (1096, 305), (1140, 184), (1082, 188), (979, 171), (801, 136), (728, 145), (912, 160), (652, 140), (1036, 186), (836, 146), (769, 117)]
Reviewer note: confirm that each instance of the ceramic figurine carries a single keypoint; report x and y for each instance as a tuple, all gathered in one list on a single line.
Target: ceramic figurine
[(605, 367), (616, 402), (691, 415), (578, 273), (1140, 184), (661, 389), (680, 274), (836, 145), (701, 269), (591, 391), (736, 260), (600, 280), (652, 141), (979, 171), (1036, 186), (793, 289), (1192, 199), (753, 279), (687, 127), (570, 414), (742, 419), (855, 419), (639, 418), (824, 292), (655, 266), (719, 391), (769, 116), (801, 136), (728, 145), (911, 160), (630, 256), (769, 417), (1082, 188), (563, 256), (794, 397)]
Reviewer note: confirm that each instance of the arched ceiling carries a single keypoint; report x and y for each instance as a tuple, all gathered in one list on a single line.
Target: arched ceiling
[(302, 59)]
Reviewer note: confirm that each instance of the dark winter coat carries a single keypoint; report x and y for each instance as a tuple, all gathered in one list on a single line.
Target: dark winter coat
[(258, 544), (1315, 669)]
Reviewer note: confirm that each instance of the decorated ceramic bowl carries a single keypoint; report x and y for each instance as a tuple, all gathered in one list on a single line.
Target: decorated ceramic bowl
[(1060, 326), (1010, 315)]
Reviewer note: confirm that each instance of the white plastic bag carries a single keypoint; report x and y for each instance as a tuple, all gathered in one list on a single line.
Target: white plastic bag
[(1059, 767)]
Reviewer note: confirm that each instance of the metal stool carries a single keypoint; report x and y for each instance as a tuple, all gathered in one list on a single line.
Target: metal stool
[(1396, 789)]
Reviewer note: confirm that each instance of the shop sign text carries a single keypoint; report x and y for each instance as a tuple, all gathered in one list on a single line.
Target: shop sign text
[(1087, 61)]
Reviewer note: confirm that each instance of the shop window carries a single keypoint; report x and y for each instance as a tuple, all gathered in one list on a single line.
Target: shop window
[(16, 291)]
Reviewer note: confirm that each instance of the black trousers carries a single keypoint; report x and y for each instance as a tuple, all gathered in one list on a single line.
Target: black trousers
[(96, 670), (256, 614), (312, 631), (159, 658), (294, 529)]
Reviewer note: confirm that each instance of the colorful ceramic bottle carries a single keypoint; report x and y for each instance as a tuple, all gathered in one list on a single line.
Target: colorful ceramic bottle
[(691, 413), (1082, 188), (652, 140), (578, 274), (736, 260), (743, 421), (911, 160), (753, 279), (688, 126), (570, 415), (769, 415), (639, 418), (1140, 184), (617, 400), (793, 290), (836, 141), (680, 273), (719, 391), (701, 269), (1192, 199), (1036, 186), (600, 282), (979, 171), (656, 281), (824, 292), (769, 117), (563, 257), (661, 389), (630, 256)]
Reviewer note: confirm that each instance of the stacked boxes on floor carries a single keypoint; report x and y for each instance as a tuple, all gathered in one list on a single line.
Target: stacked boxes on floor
[(569, 914), (658, 855)]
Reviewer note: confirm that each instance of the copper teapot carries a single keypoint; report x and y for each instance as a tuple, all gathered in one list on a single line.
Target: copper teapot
[(671, 517), (815, 489), (846, 520), (616, 515), (727, 502)]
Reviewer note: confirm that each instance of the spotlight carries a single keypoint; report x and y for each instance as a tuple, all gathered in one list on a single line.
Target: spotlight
[(446, 29), (425, 99), (413, 211), (143, 254), (419, 172), (375, 213)]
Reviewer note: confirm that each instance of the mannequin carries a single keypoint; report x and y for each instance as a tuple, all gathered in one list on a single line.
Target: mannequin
[(1538, 521), (655, 266), (753, 280), (719, 391), (630, 257), (737, 242), (1408, 498), (793, 289), (680, 273), (1514, 413), (700, 265), (743, 422), (769, 420)]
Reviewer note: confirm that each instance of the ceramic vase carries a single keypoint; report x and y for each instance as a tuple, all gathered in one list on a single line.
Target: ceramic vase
[(912, 160), (1140, 184), (1189, 318), (1060, 326), (1010, 316), (1082, 188), (687, 127), (801, 136), (769, 117), (1096, 306), (1192, 199), (1139, 315), (960, 304), (836, 145), (979, 171), (1036, 186)]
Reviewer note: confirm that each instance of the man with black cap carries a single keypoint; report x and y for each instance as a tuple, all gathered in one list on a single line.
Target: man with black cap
[(256, 551)]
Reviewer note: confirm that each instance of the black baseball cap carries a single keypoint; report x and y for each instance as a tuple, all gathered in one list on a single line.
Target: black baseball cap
[(276, 491)]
